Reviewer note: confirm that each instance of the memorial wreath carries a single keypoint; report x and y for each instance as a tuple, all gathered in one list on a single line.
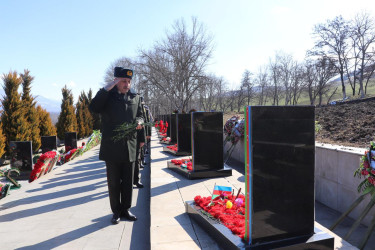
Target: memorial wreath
[(367, 170), (40, 165)]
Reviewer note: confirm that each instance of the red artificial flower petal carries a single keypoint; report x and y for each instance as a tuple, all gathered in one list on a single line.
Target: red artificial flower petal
[(234, 218)]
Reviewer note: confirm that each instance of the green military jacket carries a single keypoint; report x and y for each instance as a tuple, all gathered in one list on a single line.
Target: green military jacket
[(115, 109)]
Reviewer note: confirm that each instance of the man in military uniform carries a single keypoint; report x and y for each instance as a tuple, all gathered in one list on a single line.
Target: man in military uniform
[(118, 104), (138, 161), (148, 130)]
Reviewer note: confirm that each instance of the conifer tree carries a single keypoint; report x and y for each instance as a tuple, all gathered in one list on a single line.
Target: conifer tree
[(80, 119), (84, 118), (2, 141), (15, 125), (31, 113), (87, 115), (95, 116), (46, 126), (67, 121)]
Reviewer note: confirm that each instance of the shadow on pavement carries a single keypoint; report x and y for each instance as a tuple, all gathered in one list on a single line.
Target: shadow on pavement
[(140, 236), (87, 172), (59, 240), (52, 207)]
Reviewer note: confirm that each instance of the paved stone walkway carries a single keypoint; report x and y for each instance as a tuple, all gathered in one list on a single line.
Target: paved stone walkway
[(69, 209)]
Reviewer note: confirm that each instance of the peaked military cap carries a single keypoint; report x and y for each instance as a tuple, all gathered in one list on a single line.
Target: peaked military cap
[(125, 73)]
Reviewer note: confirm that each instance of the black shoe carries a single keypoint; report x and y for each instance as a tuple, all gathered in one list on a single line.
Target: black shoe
[(115, 219), (139, 184), (128, 215)]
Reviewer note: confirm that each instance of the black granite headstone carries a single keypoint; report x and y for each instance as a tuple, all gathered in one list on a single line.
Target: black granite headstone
[(168, 120), (49, 143), (70, 141), (184, 132), (207, 131), (280, 160), (207, 147), (21, 155), (173, 126)]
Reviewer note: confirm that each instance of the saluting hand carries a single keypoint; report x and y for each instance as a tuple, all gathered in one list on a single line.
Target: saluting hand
[(110, 85)]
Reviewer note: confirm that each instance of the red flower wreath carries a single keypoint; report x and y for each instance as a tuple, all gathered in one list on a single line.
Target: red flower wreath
[(69, 154), (230, 123), (367, 170), (40, 164)]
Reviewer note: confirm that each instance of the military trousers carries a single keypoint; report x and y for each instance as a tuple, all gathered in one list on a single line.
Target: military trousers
[(120, 185)]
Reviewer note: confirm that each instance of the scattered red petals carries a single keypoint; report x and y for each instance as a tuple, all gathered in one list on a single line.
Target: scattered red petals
[(174, 147), (184, 163), (233, 218)]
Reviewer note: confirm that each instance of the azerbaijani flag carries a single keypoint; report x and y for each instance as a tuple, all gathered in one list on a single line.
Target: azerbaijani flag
[(218, 190)]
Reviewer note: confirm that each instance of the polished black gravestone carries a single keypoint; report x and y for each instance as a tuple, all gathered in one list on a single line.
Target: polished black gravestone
[(279, 176), (280, 160), (49, 143), (207, 147), (70, 141), (21, 157), (168, 120), (184, 133), (183, 137), (173, 128)]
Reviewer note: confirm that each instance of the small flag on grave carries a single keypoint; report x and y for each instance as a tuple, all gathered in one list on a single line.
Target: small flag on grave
[(218, 190)]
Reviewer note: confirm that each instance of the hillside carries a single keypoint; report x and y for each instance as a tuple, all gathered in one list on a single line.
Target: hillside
[(350, 124)]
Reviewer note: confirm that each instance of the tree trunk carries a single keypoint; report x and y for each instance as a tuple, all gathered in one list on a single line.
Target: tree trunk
[(342, 85)]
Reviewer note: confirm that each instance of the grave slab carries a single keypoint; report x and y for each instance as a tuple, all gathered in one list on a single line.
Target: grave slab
[(207, 147), (49, 143), (70, 141)]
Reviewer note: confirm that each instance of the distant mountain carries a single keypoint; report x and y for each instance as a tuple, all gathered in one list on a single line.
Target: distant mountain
[(54, 117), (52, 106)]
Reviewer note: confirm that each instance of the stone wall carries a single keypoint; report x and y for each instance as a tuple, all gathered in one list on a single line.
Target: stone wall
[(238, 152), (335, 184)]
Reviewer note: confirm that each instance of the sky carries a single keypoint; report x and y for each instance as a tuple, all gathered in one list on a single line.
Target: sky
[(73, 42)]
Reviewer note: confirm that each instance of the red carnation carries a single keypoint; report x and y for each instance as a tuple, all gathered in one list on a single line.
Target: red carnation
[(366, 164)]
